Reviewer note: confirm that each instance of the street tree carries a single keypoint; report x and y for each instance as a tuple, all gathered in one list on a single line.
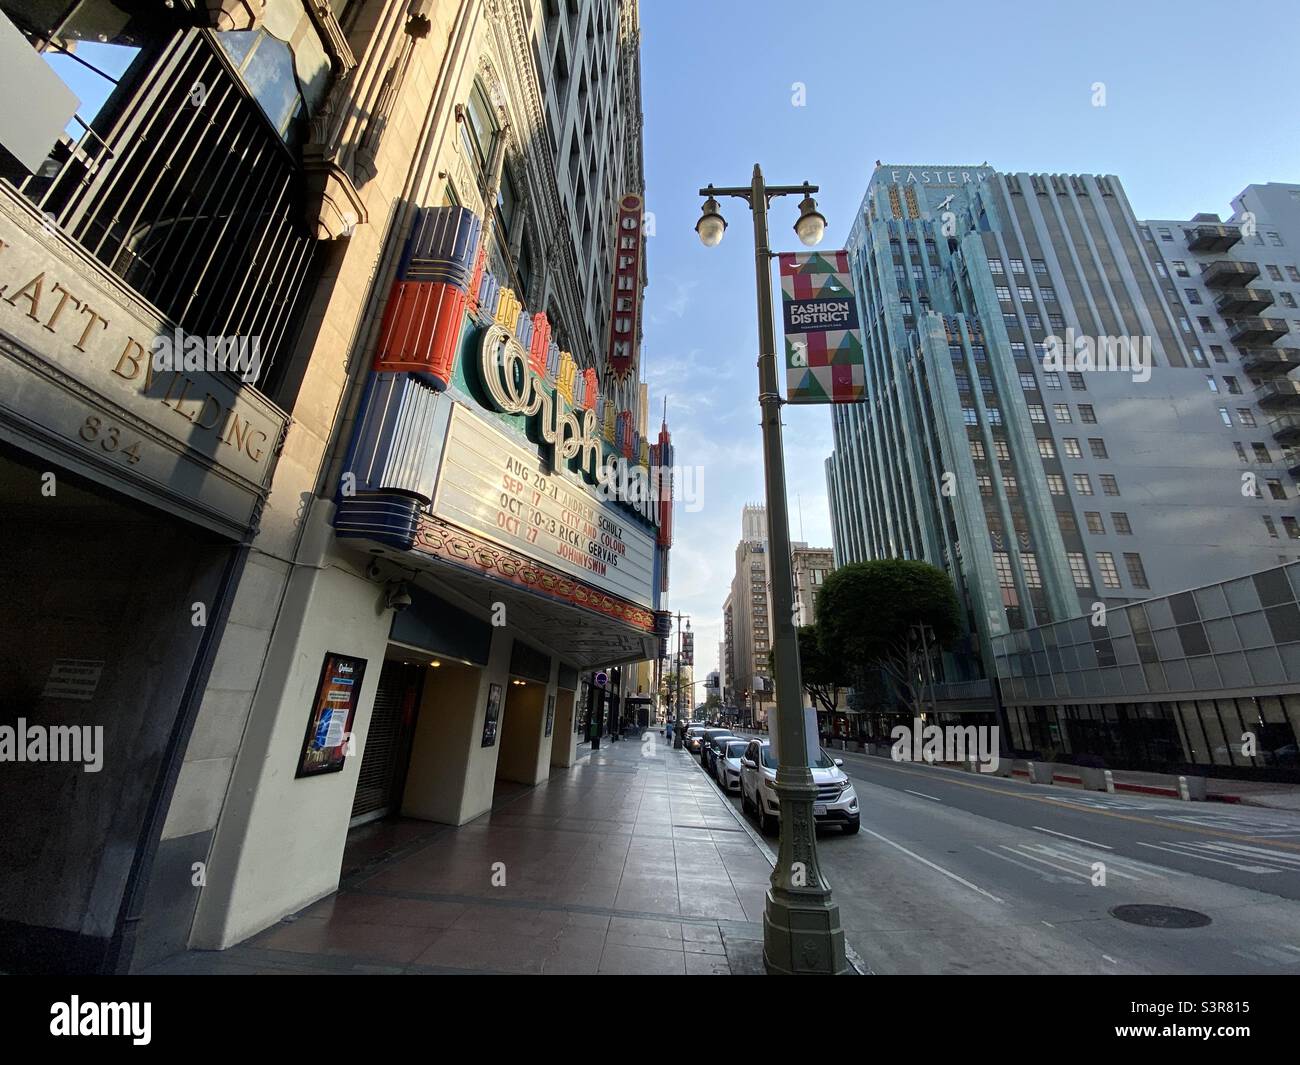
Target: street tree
[(820, 674), (887, 614)]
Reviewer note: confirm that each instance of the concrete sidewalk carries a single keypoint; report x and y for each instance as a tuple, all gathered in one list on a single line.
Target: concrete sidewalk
[(630, 862)]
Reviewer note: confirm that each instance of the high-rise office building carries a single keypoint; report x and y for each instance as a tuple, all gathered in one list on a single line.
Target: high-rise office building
[(1066, 406)]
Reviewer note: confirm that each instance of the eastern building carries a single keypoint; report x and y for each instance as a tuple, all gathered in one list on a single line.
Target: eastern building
[(727, 653), (1052, 488), (379, 565)]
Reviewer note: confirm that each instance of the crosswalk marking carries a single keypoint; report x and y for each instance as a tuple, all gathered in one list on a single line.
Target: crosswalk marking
[(1189, 850)]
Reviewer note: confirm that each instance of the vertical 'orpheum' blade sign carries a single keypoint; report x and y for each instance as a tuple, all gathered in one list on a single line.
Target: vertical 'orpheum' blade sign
[(624, 308), (823, 345)]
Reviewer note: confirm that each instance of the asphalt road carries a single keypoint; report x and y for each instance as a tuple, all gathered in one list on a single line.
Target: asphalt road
[(956, 872)]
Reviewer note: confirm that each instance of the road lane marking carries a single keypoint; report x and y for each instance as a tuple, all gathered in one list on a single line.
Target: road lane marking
[(1043, 861), (937, 868), (1166, 824), (922, 794), (1259, 870), (1076, 839)]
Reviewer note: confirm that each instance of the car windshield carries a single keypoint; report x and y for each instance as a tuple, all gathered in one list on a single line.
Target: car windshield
[(735, 750), (824, 760)]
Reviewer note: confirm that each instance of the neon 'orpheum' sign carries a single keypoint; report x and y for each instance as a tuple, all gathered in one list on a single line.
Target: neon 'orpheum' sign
[(572, 433)]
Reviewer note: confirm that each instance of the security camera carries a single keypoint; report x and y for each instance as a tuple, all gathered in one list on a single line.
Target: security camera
[(397, 597), (374, 571)]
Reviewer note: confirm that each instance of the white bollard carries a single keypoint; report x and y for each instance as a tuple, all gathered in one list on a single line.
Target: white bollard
[(1110, 781)]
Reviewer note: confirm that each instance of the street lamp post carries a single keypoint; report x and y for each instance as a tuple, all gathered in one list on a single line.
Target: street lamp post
[(678, 728), (801, 922)]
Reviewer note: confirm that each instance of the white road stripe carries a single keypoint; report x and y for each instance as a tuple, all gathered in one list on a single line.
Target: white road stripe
[(1076, 839), (1259, 869), (936, 868), (1241, 850), (1044, 861), (922, 794)]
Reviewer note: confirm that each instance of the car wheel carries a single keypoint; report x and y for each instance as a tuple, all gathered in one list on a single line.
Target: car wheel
[(744, 800), (851, 828), (768, 822)]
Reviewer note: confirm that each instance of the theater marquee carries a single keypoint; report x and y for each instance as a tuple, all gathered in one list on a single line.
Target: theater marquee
[(491, 486)]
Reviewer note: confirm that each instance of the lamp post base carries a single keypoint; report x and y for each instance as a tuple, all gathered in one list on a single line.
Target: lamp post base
[(802, 936)]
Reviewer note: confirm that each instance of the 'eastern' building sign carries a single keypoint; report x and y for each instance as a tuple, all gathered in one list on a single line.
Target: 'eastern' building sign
[(938, 175), (624, 308)]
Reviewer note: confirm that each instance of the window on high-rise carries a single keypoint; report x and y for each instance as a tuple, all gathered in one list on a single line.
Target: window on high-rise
[(1234, 389), (1071, 445), (1180, 268), (1086, 414), (1006, 581), (1192, 295), (1098, 447), (985, 483), (1261, 453), (1137, 574), (1292, 528), (1275, 488), (1083, 484), (1287, 299), (1061, 412), (994, 415), (1025, 293), (969, 416), (1120, 523), (1010, 485), (1269, 527), (1039, 265), (1033, 320), (1037, 414), (1109, 484), (1076, 381), (1048, 293), (1241, 451), (1000, 451), (1165, 234), (1003, 293), (1093, 520), (1106, 567), (977, 450), (1052, 380), (1246, 416), (1218, 353), (1056, 484), (1056, 322), (1211, 382), (1224, 416), (1017, 266), (1206, 326), (1275, 239), (995, 267), (1064, 518), (1027, 381), (1079, 569), (1046, 448)]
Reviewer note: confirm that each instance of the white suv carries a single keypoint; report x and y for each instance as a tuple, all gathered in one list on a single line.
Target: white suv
[(836, 802)]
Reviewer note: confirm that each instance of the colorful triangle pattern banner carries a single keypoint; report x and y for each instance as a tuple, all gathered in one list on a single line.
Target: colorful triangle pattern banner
[(823, 343)]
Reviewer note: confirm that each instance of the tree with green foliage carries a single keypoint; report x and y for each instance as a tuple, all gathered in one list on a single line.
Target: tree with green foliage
[(887, 614), (820, 674)]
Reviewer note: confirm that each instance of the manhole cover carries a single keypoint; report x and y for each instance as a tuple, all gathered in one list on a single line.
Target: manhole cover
[(1161, 916)]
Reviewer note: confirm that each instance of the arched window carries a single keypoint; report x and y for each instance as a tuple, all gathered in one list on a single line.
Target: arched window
[(478, 132)]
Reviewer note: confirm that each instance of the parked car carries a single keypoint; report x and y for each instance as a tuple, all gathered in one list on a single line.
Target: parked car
[(713, 749), (694, 735), (836, 802), (706, 736), (728, 762)]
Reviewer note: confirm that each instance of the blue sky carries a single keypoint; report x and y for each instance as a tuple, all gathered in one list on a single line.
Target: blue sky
[(1201, 100)]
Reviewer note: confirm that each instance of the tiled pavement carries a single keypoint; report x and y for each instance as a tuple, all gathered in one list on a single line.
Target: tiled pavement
[(630, 862)]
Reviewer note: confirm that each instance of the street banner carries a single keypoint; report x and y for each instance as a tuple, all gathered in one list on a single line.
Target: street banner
[(823, 343)]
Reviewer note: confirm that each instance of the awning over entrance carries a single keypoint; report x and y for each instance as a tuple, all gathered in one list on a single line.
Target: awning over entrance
[(575, 622)]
